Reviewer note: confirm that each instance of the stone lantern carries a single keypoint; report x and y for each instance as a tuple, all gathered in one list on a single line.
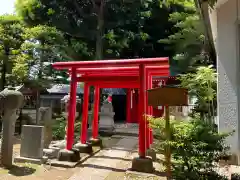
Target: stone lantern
[(65, 103), (10, 102)]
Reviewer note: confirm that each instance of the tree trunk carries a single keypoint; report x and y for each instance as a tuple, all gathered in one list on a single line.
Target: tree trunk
[(99, 36), (100, 23), (40, 80), (4, 68)]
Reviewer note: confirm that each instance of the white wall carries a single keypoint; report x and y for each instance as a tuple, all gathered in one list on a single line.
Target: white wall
[(228, 70)]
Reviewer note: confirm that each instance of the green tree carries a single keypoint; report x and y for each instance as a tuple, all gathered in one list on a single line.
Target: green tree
[(42, 47), (11, 38), (110, 29), (189, 42), (92, 21)]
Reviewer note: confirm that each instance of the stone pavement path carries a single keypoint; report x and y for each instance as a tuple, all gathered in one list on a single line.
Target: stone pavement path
[(103, 163)]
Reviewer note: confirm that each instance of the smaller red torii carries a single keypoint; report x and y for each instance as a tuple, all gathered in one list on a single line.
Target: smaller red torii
[(128, 75)]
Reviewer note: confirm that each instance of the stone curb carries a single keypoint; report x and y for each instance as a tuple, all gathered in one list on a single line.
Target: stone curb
[(65, 164)]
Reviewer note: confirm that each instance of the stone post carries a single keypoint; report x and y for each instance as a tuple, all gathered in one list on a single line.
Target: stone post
[(47, 122), (10, 101)]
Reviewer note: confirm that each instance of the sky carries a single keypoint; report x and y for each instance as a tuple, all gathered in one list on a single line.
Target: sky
[(6, 6)]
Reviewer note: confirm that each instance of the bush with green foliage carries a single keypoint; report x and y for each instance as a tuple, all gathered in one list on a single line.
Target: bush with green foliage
[(202, 85), (59, 128), (195, 147)]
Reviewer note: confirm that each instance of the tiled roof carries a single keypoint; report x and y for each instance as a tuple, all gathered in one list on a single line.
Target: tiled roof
[(114, 91), (65, 89)]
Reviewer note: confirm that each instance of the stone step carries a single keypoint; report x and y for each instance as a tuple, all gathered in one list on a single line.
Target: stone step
[(51, 153)]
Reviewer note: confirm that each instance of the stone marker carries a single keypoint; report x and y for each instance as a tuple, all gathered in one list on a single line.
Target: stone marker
[(32, 143), (10, 101), (106, 122), (47, 122)]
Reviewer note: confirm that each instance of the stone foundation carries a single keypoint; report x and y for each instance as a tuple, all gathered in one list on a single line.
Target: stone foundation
[(142, 165), (151, 153), (84, 148), (66, 155), (96, 142)]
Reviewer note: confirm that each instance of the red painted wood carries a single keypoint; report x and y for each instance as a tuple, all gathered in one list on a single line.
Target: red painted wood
[(95, 114), (111, 63), (128, 106), (71, 111), (83, 137), (142, 106)]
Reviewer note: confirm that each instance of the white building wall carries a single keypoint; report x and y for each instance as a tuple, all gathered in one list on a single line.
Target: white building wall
[(228, 69)]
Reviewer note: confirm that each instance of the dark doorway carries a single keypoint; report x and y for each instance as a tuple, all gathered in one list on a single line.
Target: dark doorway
[(119, 107)]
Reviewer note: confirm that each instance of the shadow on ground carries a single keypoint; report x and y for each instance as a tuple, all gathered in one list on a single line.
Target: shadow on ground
[(156, 175), (160, 173), (21, 171), (102, 167), (122, 149), (109, 157)]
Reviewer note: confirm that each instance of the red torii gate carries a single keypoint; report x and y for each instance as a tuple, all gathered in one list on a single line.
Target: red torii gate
[(139, 76)]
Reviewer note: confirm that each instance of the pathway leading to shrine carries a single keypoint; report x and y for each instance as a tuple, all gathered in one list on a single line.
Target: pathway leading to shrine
[(103, 163)]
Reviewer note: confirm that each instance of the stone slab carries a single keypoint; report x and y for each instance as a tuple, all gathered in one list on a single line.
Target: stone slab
[(103, 163), (20, 159)]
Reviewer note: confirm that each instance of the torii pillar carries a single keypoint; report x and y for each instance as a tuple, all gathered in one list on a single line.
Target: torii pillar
[(150, 152), (142, 163), (83, 146), (68, 154), (128, 105), (95, 139)]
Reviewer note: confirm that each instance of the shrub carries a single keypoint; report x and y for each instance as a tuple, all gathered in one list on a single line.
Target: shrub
[(195, 146), (59, 128)]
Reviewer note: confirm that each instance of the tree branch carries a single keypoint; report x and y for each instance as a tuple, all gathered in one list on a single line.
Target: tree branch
[(79, 10)]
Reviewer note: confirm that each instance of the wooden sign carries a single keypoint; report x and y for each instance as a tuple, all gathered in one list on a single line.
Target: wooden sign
[(167, 96)]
